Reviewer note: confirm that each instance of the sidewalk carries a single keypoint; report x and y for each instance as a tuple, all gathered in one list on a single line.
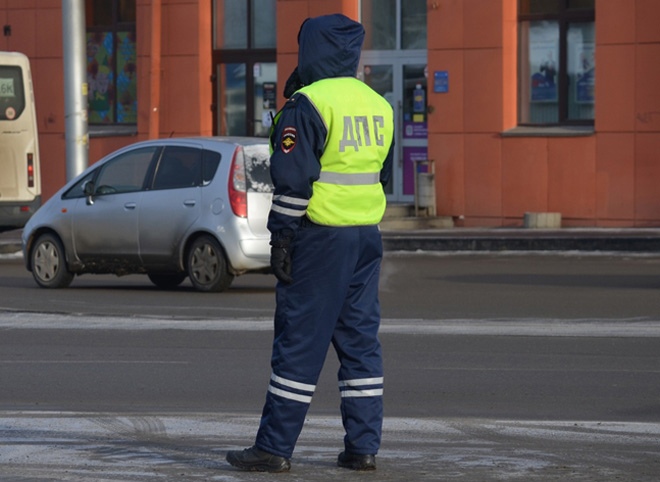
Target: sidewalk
[(488, 239), (147, 447), (10, 241), (521, 239)]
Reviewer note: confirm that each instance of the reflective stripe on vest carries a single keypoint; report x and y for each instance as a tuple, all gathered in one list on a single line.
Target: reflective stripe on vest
[(348, 179)]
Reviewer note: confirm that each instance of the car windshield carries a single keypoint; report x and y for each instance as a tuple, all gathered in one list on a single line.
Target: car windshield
[(257, 167)]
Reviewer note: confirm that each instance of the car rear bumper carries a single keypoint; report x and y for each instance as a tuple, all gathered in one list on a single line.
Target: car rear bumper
[(257, 250)]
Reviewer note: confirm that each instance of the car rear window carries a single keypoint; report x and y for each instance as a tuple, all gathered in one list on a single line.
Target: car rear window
[(257, 168), (210, 163)]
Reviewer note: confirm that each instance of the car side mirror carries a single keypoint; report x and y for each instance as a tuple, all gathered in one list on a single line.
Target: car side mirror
[(88, 190)]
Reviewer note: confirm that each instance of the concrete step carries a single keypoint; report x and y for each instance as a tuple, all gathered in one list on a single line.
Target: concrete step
[(399, 210), (401, 217), (412, 223)]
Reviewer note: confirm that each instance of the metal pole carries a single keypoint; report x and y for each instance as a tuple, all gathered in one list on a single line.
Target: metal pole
[(75, 87), (154, 113)]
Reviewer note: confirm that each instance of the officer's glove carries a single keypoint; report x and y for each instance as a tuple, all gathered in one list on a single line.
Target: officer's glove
[(293, 83), (280, 259)]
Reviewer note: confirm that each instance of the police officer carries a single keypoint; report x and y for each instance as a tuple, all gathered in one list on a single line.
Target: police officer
[(332, 153)]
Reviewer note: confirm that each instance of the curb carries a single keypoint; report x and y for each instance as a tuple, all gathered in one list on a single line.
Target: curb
[(482, 243), (489, 240)]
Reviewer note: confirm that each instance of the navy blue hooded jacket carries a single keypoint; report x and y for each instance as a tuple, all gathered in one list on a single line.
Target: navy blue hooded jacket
[(329, 46)]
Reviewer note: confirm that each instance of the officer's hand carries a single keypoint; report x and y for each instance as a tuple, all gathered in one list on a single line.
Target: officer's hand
[(280, 261)]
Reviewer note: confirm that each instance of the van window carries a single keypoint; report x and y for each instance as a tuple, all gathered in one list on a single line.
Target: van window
[(12, 93)]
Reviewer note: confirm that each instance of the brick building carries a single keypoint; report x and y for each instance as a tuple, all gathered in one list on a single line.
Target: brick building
[(502, 95)]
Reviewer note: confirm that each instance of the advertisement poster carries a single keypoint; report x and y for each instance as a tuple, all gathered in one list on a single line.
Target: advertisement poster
[(411, 154), (586, 73), (441, 81), (415, 130), (543, 64), (269, 96)]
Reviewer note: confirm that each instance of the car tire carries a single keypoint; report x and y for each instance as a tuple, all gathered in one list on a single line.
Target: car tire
[(48, 263), (207, 265), (167, 281)]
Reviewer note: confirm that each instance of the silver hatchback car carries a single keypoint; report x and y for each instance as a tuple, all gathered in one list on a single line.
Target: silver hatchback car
[(169, 208)]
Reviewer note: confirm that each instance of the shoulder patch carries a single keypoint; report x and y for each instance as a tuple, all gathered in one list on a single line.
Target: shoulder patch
[(288, 139)]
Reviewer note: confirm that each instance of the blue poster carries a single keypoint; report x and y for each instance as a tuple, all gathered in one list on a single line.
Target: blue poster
[(586, 74), (544, 85), (543, 67), (441, 81)]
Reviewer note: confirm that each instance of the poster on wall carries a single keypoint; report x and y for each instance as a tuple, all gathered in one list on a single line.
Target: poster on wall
[(586, 73), (100, 77), (543, 58), (411, 154), (269, 103), (415, 130)]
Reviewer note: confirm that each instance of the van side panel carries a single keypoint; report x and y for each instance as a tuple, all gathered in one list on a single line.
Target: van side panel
[(20, 179)]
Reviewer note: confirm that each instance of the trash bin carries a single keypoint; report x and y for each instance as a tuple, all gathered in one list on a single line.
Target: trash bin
[(424, 187), (425, 190)]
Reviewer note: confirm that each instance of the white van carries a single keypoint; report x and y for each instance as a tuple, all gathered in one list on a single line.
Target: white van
[(20, 180)]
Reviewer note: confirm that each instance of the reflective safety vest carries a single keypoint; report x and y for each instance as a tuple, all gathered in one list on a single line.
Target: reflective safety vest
[(360, 126)]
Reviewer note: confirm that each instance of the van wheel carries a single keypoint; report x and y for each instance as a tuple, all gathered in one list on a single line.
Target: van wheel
[(207, 265), (167, 281), (48, 263)]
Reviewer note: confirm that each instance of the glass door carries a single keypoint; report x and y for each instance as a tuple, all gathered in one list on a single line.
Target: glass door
[(245, 97), (402, 80), (231, 109), (414, 127), (245, 69), (265, 97)]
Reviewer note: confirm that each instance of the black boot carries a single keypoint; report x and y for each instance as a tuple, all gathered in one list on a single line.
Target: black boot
[(356, 461), (257, 460)]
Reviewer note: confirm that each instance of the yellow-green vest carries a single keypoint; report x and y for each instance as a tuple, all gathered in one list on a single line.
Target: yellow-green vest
[(360, 126)]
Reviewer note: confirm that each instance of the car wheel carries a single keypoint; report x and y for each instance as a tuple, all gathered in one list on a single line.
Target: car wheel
[(167, 281), (207, 265), (49, 263)]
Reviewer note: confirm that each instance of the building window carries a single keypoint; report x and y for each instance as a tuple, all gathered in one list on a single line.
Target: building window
[(383, 32), (557, 68), (244, 25), (111, 62)]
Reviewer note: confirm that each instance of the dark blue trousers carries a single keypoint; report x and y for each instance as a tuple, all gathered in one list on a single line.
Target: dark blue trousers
[(333, 299)]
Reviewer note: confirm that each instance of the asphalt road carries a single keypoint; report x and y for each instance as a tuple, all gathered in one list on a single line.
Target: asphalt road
[(413, 286), (497, 368)]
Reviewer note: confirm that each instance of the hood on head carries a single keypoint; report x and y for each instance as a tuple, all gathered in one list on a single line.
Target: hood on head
[(329, 46)]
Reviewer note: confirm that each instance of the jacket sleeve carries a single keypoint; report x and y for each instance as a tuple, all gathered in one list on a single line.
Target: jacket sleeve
[(386, 171), (297, 140)]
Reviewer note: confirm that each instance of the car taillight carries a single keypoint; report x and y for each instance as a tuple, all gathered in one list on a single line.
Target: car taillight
[(238, 185), (30, 170)]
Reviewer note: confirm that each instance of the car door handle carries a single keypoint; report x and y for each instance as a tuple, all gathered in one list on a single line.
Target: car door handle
[(130, 205), (189, 203)]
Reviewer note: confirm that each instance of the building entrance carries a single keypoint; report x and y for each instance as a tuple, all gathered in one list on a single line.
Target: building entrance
[(402, 80)]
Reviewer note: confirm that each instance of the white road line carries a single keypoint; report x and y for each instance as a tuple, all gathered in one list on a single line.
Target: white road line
[(92, 362), (546, 327)]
